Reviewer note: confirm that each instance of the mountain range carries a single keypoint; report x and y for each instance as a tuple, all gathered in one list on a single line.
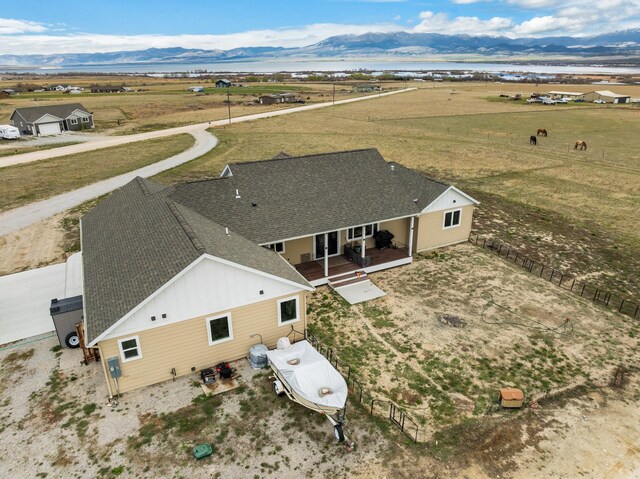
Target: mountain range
[(625, 43)]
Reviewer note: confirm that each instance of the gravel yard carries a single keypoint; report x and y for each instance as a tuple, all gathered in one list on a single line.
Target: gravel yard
[(56, 423)]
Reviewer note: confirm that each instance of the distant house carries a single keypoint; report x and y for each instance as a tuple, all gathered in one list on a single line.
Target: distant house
[(565, 94), (223, 83), (107, 89), (196, 89), (6, 93), (52, 120), (366, 88), (607, 96), (278, 98)]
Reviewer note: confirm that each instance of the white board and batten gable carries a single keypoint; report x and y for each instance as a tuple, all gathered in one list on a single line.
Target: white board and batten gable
[(207, 286), (451, 198), (47, 118)]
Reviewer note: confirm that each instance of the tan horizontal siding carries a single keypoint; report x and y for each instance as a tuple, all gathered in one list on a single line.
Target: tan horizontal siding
[(399, 229), (294, 249), (185, 344), (431, 233)]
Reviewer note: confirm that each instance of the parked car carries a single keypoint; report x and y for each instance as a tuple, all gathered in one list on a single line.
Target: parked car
[(599, 101), (534, 100), (579, 100)]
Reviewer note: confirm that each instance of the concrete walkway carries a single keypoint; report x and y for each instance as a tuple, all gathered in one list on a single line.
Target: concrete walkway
[(24, 216)]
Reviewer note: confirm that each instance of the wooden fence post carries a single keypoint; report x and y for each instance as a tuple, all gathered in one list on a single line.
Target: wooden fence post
[(621, 305), (573, 284), (584, 285)]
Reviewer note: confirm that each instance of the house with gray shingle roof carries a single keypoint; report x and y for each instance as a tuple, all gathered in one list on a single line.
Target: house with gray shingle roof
[(179, 278), (52, 119)]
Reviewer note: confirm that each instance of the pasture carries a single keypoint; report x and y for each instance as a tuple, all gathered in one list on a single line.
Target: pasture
[(574, 209), (165, 103), (29, 182)]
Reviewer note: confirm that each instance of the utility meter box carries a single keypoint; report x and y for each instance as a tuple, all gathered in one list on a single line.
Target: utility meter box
[(114, 368)]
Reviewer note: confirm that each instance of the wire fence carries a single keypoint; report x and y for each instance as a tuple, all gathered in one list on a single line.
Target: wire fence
[(560, 278), (373, 406)]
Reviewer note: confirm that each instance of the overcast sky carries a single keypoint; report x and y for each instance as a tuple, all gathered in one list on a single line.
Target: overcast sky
[(67, 26)]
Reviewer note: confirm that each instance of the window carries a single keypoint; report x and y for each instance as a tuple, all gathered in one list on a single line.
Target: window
[(288, 310), (74, 121), (219, 329), (85, 119), (452, 218), (356, 233), (130, 349), (277, 247)]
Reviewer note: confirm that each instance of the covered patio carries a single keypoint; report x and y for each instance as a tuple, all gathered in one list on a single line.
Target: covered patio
[(314, 271)]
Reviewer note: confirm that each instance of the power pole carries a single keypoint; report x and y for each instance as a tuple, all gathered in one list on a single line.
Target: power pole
[(334, 93), (229, 105)]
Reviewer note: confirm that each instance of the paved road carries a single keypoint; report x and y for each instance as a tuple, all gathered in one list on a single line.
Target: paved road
[(25, 298), (18, 218), (106, 142)]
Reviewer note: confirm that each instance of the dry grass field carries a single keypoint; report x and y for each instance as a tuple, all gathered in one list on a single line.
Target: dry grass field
[(573, 209), (29, 182), (166, 102)]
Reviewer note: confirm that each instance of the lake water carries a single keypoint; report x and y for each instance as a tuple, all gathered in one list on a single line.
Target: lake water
[(316, 65)]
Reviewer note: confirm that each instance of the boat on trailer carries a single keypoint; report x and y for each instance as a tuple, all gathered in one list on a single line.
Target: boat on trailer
[(305, 376)]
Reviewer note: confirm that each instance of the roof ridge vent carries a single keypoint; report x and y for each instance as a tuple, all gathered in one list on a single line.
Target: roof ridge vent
[(197, 244)]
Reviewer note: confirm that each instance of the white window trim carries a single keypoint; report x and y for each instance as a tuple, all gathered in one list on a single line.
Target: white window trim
[(229, 323), (124, 359), (284, 300), (74, 121), (274, 246), (85, 119), (444, 219), (338, 251), (349, 238)]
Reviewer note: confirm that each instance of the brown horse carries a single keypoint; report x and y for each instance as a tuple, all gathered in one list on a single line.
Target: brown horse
[(580, 144), (541, 132)]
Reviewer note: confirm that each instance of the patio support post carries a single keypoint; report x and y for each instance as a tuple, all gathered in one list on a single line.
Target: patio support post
[(326, 255), (362, 241), (411, 223)]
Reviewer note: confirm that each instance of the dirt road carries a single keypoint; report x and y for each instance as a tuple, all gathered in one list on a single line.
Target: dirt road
[(106, 142)]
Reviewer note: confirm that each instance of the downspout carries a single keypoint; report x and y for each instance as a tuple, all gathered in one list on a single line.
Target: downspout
[(411, 223), (326, 255)]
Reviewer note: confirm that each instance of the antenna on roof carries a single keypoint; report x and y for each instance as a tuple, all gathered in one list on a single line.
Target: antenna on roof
[(393, 167), (226, 230), (237, 194)]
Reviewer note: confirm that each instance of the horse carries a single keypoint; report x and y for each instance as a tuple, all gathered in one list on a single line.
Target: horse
[(541, 132), (580, 144), (533, 140)]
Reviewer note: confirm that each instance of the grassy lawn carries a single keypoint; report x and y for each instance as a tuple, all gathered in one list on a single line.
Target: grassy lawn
[(18, 150), (29, 182)]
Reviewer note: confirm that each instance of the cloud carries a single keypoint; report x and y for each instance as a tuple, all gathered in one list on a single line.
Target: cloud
[(534, 3), (431, 22), (93, 43), (10, 26)]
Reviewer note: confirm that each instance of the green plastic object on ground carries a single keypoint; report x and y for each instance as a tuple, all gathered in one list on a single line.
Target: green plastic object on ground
[(202, 450)]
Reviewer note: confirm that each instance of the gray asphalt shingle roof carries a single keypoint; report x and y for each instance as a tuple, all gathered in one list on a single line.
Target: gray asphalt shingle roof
[(61, 111), (286, 198), (137, 239)]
